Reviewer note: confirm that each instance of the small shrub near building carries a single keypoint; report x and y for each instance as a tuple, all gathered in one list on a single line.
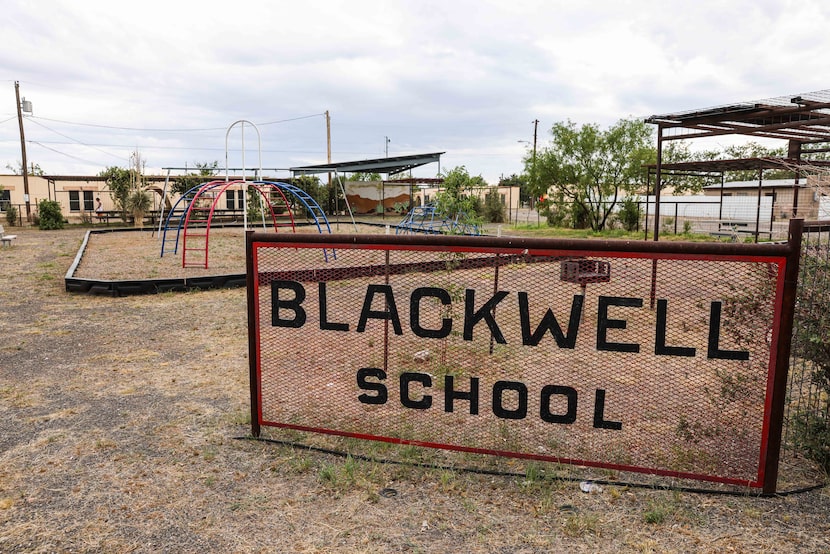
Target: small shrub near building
[(11, 215), (49, 215)]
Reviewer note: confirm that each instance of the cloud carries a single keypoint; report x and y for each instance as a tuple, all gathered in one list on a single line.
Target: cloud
[(468, 77)]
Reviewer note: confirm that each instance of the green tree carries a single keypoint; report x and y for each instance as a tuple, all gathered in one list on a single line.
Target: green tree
[(457, 199), (312, 186), (362, 176), (522, 181), (34, 169), (755, 150), (495, 210), (126, 186), (119, 182), (679, 151), (204, 171), (592, 168)]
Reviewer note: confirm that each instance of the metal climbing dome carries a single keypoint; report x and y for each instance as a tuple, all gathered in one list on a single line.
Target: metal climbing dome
[(427, 219), (190, 218)]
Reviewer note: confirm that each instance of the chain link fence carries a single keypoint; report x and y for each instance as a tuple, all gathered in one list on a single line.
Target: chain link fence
[(655, 358), (807, 421)]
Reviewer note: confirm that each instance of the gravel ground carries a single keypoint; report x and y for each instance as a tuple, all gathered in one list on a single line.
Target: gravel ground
[(119, 427)]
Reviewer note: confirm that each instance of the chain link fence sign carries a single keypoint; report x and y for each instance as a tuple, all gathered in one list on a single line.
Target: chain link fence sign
[(660, 358)]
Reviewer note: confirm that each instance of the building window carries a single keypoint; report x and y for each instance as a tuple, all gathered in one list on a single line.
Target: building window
[(75, 201), (5, 200), (230, 199)]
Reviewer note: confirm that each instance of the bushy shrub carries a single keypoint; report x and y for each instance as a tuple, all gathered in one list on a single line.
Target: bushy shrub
[(580, 217), (629, 214), (811, 342), (11, 215), (812, 437), (494, 208), (49, 215)]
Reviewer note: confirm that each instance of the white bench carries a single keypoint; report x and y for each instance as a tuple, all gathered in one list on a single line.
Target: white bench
[(6, 239)]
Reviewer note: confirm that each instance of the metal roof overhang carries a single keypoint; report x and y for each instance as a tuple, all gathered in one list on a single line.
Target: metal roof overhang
[(721, 166), (802, 119), (390, 166), (94, 178)]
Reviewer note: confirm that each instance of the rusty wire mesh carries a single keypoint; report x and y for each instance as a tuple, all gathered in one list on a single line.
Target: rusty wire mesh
[(552, 355), (807, 416)]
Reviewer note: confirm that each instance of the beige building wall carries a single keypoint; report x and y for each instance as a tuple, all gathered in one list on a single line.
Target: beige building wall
[(41, 188), (510, 195), (76, 195)]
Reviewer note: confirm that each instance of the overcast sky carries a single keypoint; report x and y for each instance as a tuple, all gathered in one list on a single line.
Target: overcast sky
[(463, 77)]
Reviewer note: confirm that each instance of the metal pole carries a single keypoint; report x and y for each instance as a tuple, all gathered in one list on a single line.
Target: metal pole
[(795, 192), (657, 185), (758, 207), (648, 189), (253, 334), (346, 199), (676, 206), (535, 180), (161, 204), (782, 357), (328, 146), (244, 182), (658, 182), (23, 153)]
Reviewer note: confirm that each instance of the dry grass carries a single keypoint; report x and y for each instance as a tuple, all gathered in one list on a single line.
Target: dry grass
[(119, 418)]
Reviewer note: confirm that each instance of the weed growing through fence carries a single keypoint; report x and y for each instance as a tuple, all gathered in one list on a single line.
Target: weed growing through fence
[(811, 342)]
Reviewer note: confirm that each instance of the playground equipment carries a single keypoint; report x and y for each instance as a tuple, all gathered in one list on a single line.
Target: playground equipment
[(192, 221), (193, 213), (427, 219)]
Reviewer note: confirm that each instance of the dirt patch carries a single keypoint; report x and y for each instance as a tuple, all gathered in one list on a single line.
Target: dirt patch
[(119, 426), (138, 254)]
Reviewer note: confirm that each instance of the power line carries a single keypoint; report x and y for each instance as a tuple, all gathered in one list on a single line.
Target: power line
[(98, 126), (291, 119), (64, 153), (158, 147), (77, 141)]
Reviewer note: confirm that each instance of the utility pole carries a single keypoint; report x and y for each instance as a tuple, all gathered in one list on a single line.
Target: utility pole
[(23, 149), (388, 140), (535, 127), (328, 143)]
